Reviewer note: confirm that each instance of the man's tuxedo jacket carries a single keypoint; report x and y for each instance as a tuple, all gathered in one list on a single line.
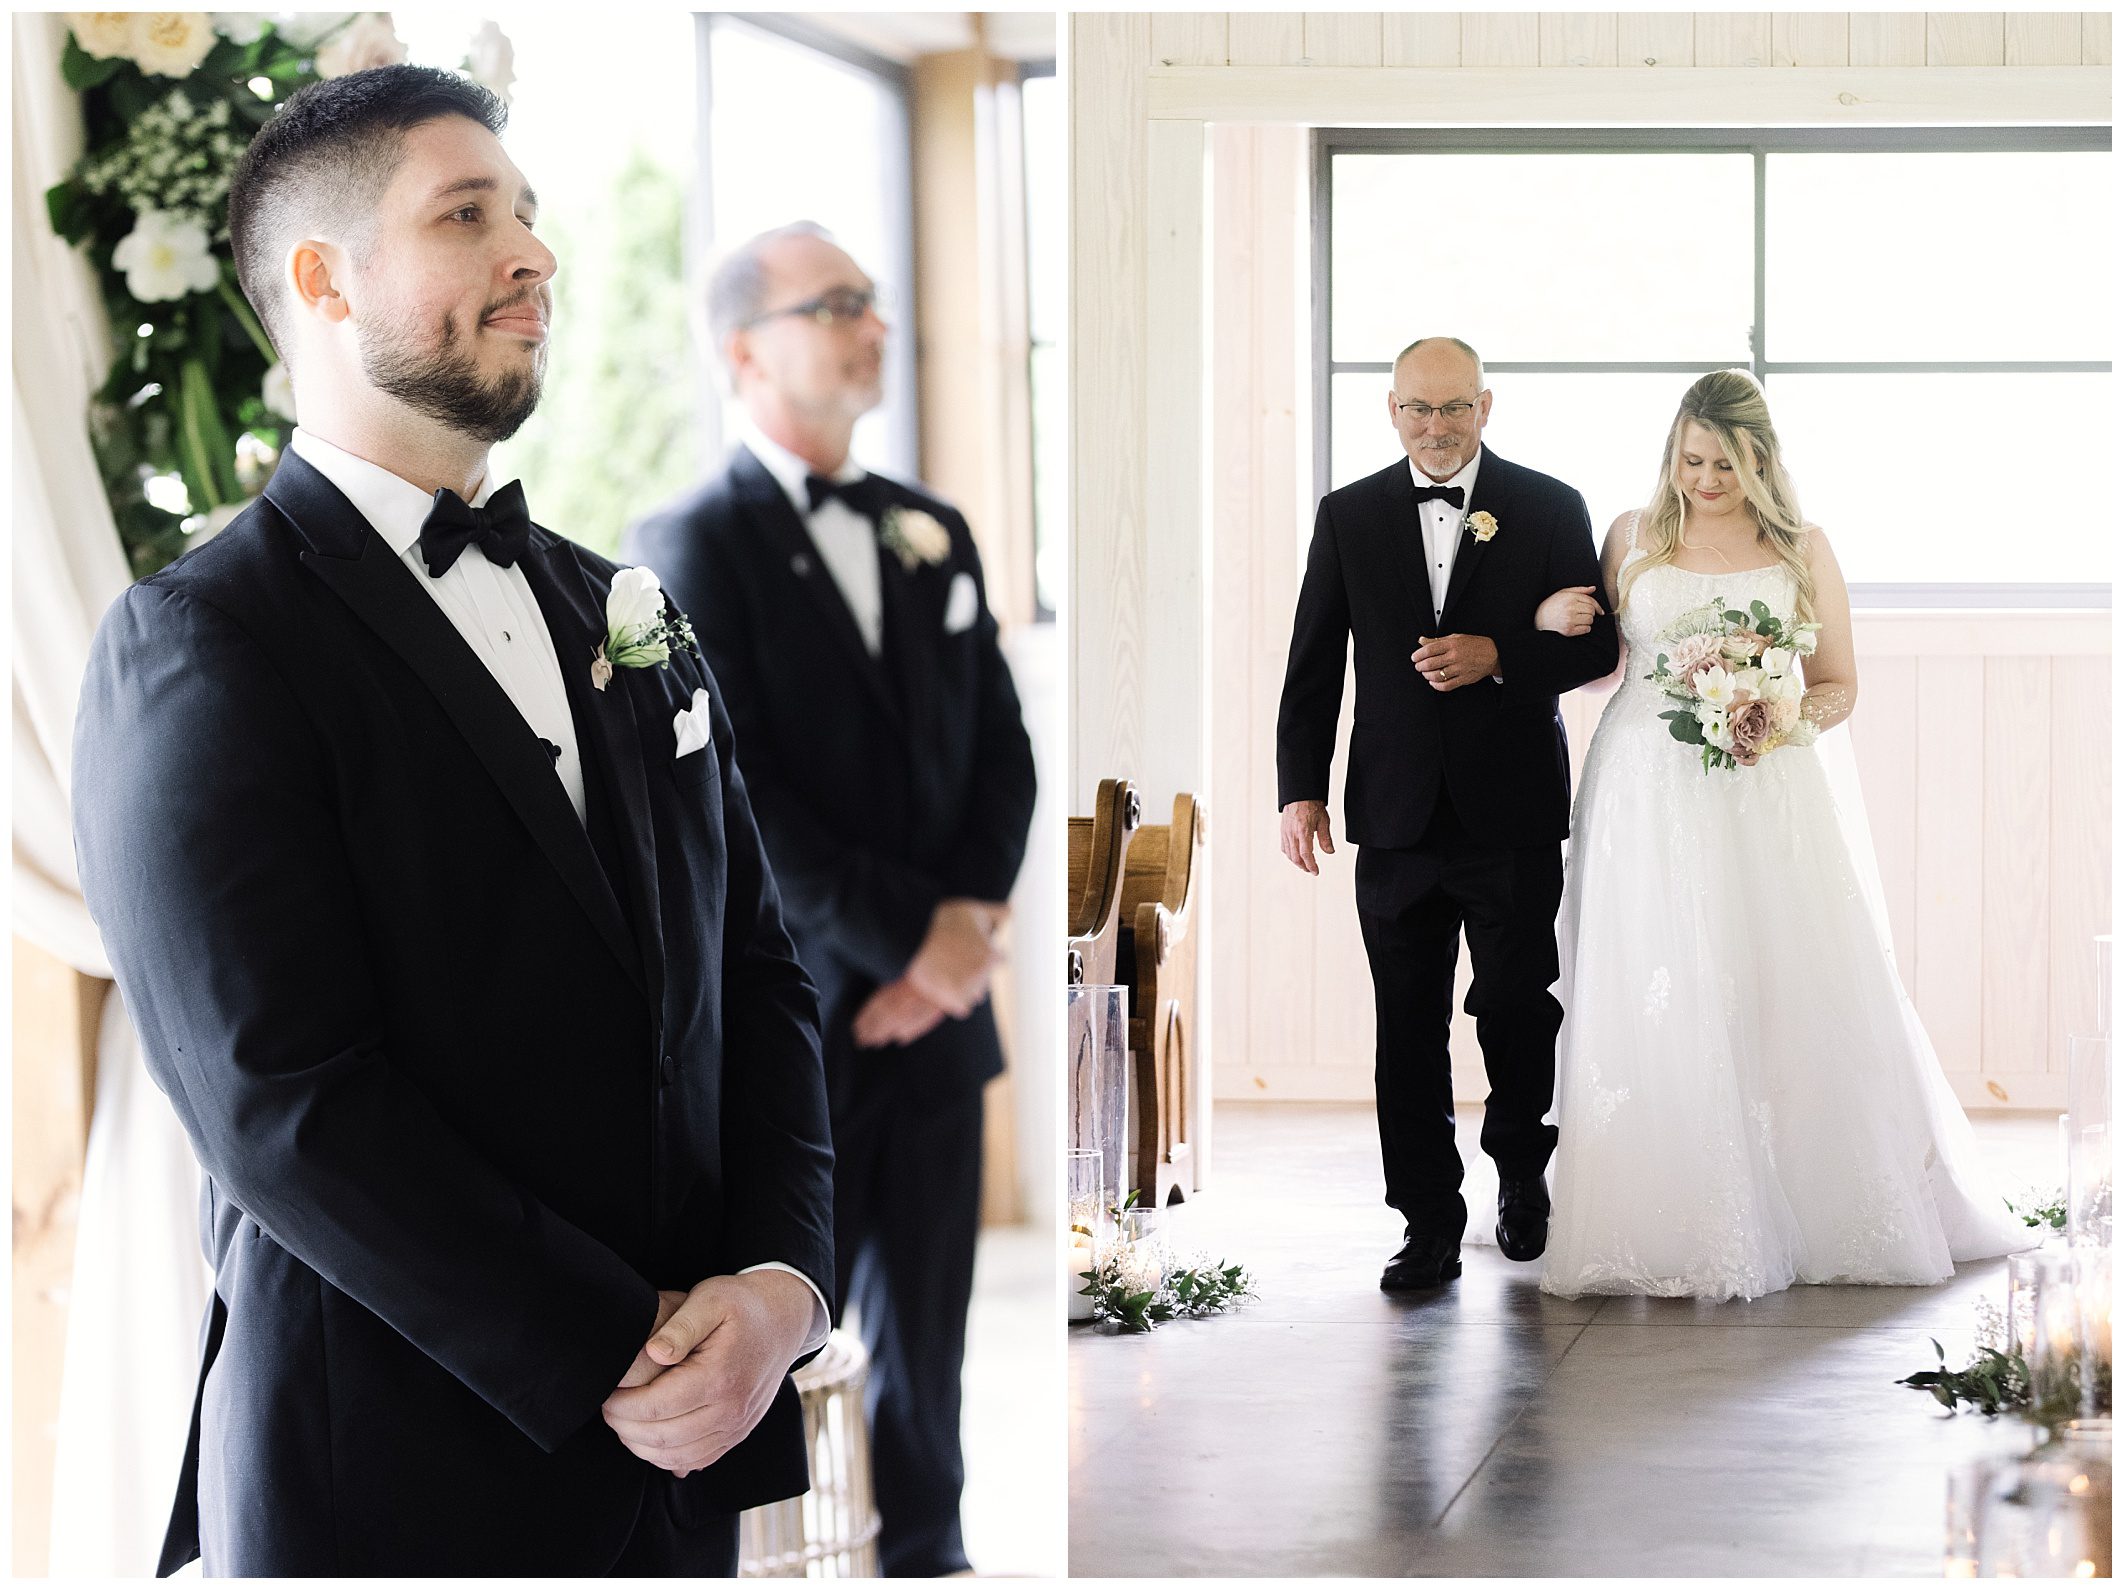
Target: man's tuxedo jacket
[(883, 784), (1497, 748), (470, 1082)]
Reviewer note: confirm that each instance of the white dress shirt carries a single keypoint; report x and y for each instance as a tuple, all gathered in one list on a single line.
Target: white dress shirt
[(1442, 522), (847, 542), (498, 615)]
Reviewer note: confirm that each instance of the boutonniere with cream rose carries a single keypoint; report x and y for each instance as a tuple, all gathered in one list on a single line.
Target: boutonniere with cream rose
[(1735, 677), (1482, 525), (914, 536), (642, 629)]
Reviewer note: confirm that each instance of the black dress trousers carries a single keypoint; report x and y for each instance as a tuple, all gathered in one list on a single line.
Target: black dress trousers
[(1413, 904)]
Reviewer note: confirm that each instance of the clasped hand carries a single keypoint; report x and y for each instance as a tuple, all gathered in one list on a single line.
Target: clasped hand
[(947, 977), (710, 1368), (1448, 662)]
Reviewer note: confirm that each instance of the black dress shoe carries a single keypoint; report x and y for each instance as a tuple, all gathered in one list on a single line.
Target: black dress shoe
[(1424, 1262), (1522, 1219)]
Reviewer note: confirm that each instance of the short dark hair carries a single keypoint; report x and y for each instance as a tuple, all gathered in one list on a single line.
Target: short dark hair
[(737, 287), (326, 156)]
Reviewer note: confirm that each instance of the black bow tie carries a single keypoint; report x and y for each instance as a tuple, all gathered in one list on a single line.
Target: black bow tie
[(1449, 494), (502, 528), (861, 494)]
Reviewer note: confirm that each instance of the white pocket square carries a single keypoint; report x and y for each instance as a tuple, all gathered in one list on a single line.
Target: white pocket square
[(691, 726), (962, 605)]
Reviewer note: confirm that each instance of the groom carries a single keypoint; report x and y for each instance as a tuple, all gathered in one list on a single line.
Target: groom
[(1459, 782), (455, 950)]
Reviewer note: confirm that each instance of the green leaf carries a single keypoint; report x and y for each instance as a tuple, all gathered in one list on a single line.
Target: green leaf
[(1732, 617), (1684, 727), (67, 206), (85, 71), (1760, 609)]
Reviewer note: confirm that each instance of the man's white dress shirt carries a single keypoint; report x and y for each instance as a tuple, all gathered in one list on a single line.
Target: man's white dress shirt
[(847, 542), (1442, 524), (498, 615)]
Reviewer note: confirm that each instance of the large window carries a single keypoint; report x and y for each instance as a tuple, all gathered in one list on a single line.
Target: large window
[(801, 126), (1929, 313)]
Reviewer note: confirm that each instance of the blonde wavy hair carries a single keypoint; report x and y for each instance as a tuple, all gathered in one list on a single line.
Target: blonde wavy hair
[(1729, 405)]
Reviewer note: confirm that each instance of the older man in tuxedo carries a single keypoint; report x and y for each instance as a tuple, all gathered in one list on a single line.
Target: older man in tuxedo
[(452, 942), (1459, 789), (845, 615)]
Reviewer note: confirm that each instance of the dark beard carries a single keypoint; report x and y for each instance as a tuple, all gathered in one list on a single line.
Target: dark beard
[(445, 384)]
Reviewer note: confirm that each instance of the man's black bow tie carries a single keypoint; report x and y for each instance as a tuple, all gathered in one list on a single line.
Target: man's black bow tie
[(502, 528), (862, 494), (1449, 494)]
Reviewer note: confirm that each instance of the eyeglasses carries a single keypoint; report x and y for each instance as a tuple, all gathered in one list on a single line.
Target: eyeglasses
[(836, 306), (1458, 409)]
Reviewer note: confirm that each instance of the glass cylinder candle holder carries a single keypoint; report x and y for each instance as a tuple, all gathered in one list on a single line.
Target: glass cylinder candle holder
[(2044, 1516), (2069, 1349), (2020, 1301), (1098, 1078), (1089, 1231)]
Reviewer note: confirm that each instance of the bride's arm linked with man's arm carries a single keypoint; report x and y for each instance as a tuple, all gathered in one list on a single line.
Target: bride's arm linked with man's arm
[(1572, 610)]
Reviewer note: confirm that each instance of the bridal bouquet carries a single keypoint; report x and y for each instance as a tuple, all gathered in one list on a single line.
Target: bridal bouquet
[(1734, 678)]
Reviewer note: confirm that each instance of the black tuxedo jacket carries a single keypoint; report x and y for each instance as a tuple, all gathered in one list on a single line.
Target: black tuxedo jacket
[(1497, 749), (465, 1098), (883, 784)]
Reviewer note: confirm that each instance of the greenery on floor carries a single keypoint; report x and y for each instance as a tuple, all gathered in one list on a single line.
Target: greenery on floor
[(1992, 1383)]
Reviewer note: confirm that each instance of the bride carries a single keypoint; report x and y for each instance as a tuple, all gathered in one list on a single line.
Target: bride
[(1746, 1098)]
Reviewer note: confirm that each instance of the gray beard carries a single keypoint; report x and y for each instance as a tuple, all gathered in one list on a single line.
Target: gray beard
[(444, 383)]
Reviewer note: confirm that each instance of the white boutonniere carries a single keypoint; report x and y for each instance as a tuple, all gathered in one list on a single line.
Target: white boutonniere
[(642, 628), (1482, 525), (914, 536)]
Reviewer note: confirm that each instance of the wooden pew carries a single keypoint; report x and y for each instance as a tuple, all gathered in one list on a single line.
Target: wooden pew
[(1161, 882), (1097, 846)]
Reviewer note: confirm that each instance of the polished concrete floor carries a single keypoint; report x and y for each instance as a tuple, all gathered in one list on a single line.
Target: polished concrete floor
[(1328, 1428)]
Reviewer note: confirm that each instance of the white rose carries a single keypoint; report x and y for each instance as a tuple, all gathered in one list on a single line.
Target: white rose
[(279, 392), (1804, 732), (172, 43), (1748, 684), (636, 602), (1783, 687), (165, 257), (104, 34), (239, 27), (492, 60), (1803, 641), (369, 40), (1778, 660), (307, 29), (1714, 686)]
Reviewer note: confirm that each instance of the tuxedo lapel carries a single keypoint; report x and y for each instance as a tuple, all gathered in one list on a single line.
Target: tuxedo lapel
[(1468, 555), (352, 559), (1402, 524), (914, 616), (613, 718), (790, 544)]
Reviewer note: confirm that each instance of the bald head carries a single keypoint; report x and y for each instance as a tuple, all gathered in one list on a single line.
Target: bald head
[(1442, 355)]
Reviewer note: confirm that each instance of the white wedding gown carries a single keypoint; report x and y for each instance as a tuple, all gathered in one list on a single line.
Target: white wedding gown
[(1745, 1096)]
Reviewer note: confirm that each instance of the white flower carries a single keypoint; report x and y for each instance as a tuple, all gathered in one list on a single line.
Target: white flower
[(307, 29), (636, 602), (1714, 686), (1778, 660), (171, 43), (165, 257), (279, 392), (239, 27), (1804, 639), (1784, 714), (915, 536), (104, 34), (492, 60), (1748, 684), (1713, 720), (369, 40), (1804, 732), (1783, 687)]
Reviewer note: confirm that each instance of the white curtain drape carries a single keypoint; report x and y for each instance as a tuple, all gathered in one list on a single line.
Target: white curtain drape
[(139, 1285)]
